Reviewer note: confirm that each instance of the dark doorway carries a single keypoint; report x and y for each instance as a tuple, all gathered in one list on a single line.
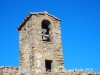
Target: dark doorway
[(48, 64)]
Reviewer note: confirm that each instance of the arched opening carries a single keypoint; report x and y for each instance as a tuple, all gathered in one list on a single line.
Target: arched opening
[(45, 30)]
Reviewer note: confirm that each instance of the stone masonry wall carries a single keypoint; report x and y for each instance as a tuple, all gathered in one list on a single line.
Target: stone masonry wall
[(17, 71), (31, 44), (9, 71)]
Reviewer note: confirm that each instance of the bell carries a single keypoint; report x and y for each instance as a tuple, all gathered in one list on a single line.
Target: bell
[(44, 38)]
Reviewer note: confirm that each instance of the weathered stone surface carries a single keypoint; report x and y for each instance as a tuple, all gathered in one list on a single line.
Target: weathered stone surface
[(41, 50)]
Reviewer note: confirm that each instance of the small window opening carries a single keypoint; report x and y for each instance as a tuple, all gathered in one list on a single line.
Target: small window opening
[(48, 64), (45, 30)]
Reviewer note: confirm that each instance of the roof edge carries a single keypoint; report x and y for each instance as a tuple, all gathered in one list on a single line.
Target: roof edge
[(35, 13)]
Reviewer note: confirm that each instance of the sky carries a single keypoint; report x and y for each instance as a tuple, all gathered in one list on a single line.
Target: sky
[(80, 27)]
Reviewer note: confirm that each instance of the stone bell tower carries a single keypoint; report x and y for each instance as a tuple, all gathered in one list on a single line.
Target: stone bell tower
[(40, 43)]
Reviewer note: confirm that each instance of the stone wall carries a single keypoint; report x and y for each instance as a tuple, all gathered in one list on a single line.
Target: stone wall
[(34, 51), (19, 71), (13, 71), (9, 71), (80, 73)]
